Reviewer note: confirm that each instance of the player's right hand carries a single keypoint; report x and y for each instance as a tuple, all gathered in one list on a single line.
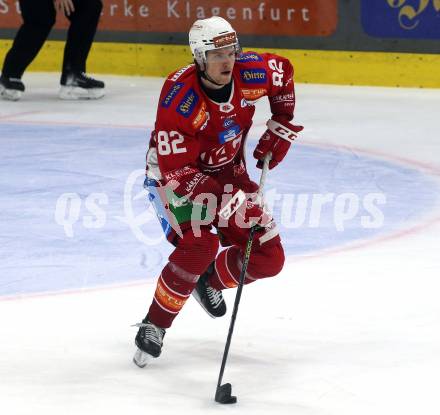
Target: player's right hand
[(64, 6), (236, 217), (242, 212)]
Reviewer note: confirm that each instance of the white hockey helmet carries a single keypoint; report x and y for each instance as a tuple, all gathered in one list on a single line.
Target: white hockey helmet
[(208, 34)]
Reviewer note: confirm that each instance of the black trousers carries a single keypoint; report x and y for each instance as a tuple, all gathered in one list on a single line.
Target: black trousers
[(38, 19)]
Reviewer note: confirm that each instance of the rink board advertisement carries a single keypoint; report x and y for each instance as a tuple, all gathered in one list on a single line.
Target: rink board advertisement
[(418, 19), (275, 17), (366, 42)]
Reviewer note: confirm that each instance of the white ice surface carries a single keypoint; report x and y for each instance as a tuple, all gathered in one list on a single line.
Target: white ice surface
[(352, 330)]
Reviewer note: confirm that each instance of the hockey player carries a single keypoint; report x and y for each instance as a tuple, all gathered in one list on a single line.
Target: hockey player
[(196, 162)]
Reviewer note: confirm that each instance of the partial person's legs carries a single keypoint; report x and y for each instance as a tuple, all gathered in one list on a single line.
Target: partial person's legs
[(266, 260), (75, 84), (38, 19), (188, 261), (83, 23)]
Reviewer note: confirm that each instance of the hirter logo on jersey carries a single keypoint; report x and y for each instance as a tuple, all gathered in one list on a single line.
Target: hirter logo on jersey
[(174, 90), (253, 76), (189, 101), (229, 134)]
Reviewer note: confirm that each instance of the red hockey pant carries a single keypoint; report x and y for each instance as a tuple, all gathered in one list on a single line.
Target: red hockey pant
[(191, 258)]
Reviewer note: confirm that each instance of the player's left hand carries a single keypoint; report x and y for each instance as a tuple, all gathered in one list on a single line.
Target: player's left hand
[(277, 139)]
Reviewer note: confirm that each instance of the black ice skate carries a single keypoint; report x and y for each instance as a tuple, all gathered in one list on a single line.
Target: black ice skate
[(11, 88), (80, 86), (149, 340), (208, 297)]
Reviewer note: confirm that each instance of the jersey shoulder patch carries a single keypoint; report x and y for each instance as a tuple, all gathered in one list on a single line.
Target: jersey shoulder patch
[(251, 69), (183, 103), (170, 94), (175, 84), (179, 92), (182, 73), (252, 72), (249, 57)]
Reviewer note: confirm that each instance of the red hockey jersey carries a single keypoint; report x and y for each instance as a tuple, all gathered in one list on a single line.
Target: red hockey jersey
[(199, 143)]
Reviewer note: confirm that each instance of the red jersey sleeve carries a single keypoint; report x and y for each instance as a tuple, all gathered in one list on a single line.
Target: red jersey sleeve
[(272, 74), (281, 89)]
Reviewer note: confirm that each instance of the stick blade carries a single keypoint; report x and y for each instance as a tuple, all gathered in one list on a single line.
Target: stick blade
[(223, 394)]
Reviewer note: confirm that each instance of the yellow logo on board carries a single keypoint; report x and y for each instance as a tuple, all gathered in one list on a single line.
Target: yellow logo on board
[(409, 15)]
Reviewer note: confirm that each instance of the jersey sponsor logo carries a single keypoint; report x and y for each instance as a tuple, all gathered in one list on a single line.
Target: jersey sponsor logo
[(224, 116), (173, 91), (239, 169), (249, 57), (253, 76), (229, 134), (188, 103), (177, 75), (226, 107), (177, 202), (168, 299), (283, 98), (191, 184), (225, 40), (179, 173), (253, 94), (228, 122), (221, 154), (205, 124), (201, 118)]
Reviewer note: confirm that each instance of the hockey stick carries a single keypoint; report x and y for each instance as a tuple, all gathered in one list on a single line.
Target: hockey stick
[(223, 392)]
